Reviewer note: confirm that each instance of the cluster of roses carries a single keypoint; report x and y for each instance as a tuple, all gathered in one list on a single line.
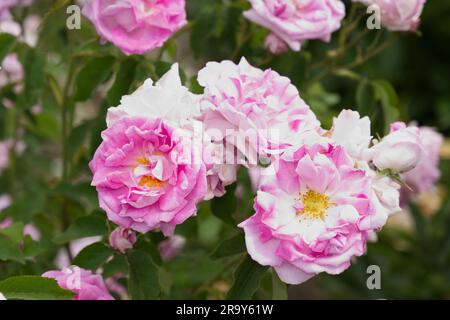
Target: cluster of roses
[(141, 26), (325, 192), (318, 202)]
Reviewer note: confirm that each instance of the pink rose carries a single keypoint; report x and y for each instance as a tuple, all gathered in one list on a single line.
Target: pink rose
[(136, 26), (275, 45), (148, 174), (171, 247), (398, 15), (314, 215), (352, 132), (85, 284), (257, 112), (295, 21), (167, 99), (122, 239), (400, 151), (426, 173), (221, 172)]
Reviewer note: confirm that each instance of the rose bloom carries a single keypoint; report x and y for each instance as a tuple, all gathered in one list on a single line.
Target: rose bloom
[(423, 177), (258, 112), (275, 45), (312, 216), (122, 239), (167, 99), (353, 133), (85, 284), (136, 26), (398, 15), (296, 21), (220, 165), (399, 151), (148, 174)]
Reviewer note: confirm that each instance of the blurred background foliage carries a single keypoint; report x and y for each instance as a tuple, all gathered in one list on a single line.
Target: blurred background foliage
[(73, 79)]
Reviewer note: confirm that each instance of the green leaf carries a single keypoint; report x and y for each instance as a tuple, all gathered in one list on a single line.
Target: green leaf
[(96, 71), (230, 247), (118, 264), (161, 68), (279, 288), (93, 256), (23, 209), (59, 4), (34, 65), (123, 81), (246, 279), (366, 98), (7, 42), (150, 248), (31, 248), (78, 137), (144, 280), (389, 102), (225, 206), (9, 251), (33, 288), (14, 232), (81, 228)]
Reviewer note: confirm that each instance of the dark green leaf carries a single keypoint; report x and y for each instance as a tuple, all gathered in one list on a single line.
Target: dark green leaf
[(23, 209), (225, 206), (34, 66), (279, 288), (365, 98), (118, 264), (7, 42), (123, 81), (9, 250), (33, 288), (389, 102), (230, 247), (78, 137), (144, 279), (14, 232), (246, 279), (93, 256), (95, 72), (81, 228)]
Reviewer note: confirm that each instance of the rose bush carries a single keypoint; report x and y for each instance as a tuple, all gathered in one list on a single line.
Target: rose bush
[(167, 149)]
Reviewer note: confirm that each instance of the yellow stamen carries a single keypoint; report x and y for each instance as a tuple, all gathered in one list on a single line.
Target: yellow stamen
[(150, 182), (315, 205), (143, 161)]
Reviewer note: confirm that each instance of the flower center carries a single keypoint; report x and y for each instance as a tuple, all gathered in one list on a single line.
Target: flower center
[(143, 161), (150, 182), (315, 205)]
